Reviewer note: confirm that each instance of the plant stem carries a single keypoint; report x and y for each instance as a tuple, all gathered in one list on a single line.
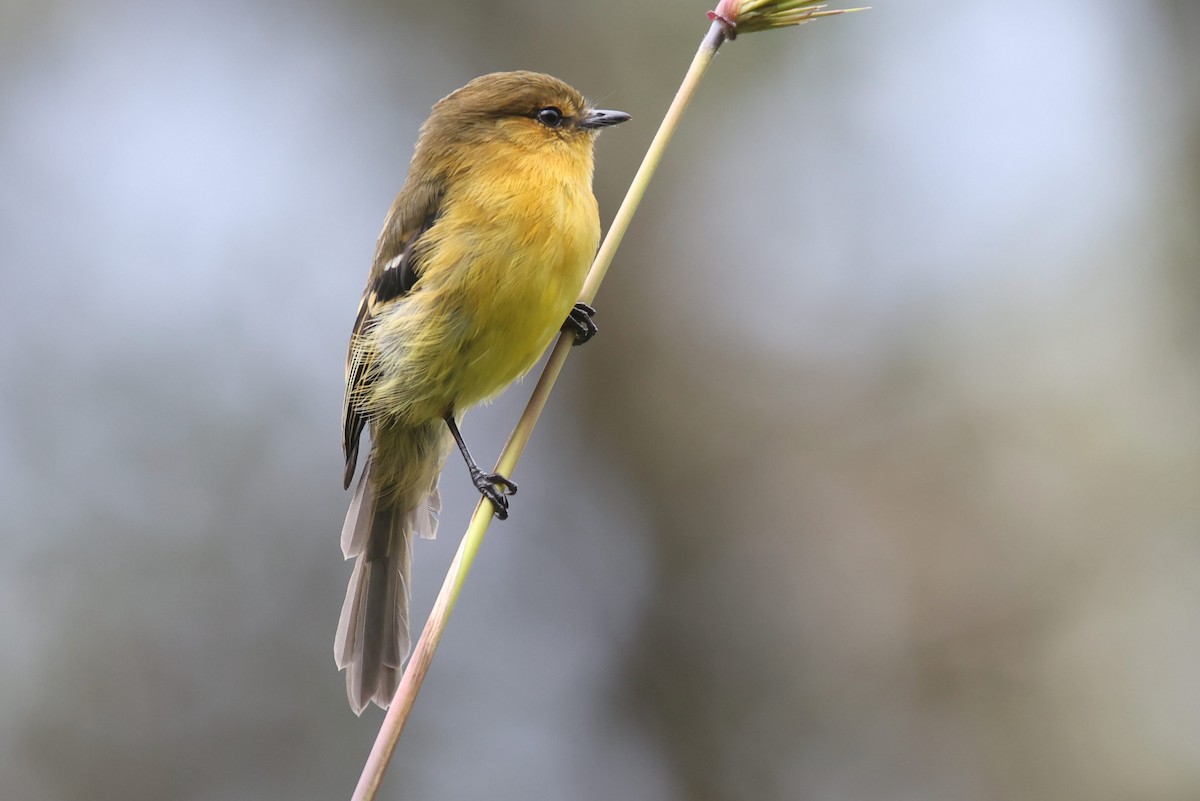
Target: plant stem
[(418, 665)]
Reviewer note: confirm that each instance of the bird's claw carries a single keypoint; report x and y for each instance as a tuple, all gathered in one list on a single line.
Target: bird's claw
[(580, 322), (496, 488)]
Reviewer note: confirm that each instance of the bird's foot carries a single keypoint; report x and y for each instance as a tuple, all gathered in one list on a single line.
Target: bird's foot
[(579, 321), (496, 488)]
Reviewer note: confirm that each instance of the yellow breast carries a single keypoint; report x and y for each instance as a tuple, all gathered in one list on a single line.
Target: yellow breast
[(505, 264)]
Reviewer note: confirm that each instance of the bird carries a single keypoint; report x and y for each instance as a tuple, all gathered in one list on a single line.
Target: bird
[(479, 265)]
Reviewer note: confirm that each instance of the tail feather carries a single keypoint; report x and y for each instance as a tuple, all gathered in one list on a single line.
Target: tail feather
[(372, 638), (394, 639), (356, 529), (369, 677)]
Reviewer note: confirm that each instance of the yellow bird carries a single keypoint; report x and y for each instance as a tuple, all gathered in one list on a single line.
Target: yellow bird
[(480, 262)]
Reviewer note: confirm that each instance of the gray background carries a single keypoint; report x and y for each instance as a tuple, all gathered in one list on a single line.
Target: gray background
[(880, 482)]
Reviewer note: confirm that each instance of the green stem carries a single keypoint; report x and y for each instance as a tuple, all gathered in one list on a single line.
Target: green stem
[(418, 665)]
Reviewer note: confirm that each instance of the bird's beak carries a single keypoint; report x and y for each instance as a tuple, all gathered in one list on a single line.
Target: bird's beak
[(599, 118)]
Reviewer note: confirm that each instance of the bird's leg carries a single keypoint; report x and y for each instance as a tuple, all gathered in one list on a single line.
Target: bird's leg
[(486, 483), (580, 322)]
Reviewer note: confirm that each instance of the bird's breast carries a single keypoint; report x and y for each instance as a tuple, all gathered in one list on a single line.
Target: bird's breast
[(509, 257)]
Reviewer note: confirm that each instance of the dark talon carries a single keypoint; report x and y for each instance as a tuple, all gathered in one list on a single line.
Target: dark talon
[(486, 484), (580, 322)]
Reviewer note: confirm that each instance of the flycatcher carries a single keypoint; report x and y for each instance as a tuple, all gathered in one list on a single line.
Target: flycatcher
[(480, 262)]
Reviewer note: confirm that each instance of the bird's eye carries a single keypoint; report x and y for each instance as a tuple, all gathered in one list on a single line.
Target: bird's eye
[(550, 117)]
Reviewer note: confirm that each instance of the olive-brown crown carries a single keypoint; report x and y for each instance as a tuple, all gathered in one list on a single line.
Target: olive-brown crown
[(524, 105)]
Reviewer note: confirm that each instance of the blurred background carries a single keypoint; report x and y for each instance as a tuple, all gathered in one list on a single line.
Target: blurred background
[(881, 481)]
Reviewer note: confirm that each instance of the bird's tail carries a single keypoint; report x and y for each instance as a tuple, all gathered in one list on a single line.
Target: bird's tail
[(372, 639)]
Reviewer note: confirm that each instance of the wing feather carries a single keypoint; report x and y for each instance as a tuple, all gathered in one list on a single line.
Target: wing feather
[(395, 273)]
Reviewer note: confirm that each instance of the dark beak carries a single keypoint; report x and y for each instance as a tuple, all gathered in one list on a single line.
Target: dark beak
[(599, 118)]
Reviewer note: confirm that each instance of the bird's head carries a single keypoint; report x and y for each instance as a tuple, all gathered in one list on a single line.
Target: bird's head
[(528, 109)]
